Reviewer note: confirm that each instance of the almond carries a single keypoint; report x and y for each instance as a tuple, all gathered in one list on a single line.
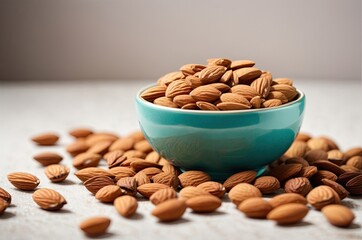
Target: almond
[(289, 91), (262, 85), (129, 160), (219, 62), (5, 195), (153, 157), (45, 139), (245, 90), (169, 168), (56, 172), (78, 147), (233, 106), (241, 64), (190, 106), (240, 177), (169, 78), (286, 81), (318, 144), (193, 178), (356, 151), (354, 186), (3, 205), (297, 149), (108, 193), (204, 203), (191, 192), (85, 160), (152, 93), (345, 177), (340, 190), (47, 158), (141, 178), (302, 136), (95, 183), (297, 160), (214, 188), (286, 198), (134, 154), (332, 145), (234, 80), (284, 172), (336, 156), (300, 185), (205, 93), (166, 178), (307, 171), (170, 210), (90, 172), (123, 144), (338, 215), (206, 106), (165, 101), (234, 97), (322, 196), (278, 95), (348, 168), (128, 185), (289, 213), (183, 99), (163, 195), (80, 132), (327, 165), (317, 178), (355, 161), (271, 103), (115, 158), (226, 76), (314, 155), (267, 184), (121, 172), (100, 148), (48, 199), (211, 74), (142, 164), (136, 136), (193, 81), (126, 205), (247, 74), (243, 191), (100, 137), (255, 207), (177, 87), (151, 171), (191, 69), (148, 189), (256, 102), (23, 181), (95, 226)]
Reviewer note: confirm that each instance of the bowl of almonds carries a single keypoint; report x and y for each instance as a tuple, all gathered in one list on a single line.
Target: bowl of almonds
[(222, 117)]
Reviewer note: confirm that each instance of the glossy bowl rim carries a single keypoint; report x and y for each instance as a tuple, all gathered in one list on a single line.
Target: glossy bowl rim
[(227, 112)]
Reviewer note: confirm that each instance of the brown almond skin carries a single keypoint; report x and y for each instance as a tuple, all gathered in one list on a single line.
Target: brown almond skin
[(95, 226), (77, 147), (354, 186), (204, 203), (286, 198), (48, 199), (166, 178), (3, 205), (23, 181), (284, 172), (126, 205), (191, 191), (243, 191), (163, 195), (85, 160), (5, 195), (300, 185), (214, 188), (56, 173), (342, 192), (148, 189), (288, 214), (80, 132), (193, 178), (170, 210), (87, 173), (338, 215), (267, 184), (322, 196), (94, 184), (45, 139), (48, 158), (108, 193), (240, 177), (255, 207)]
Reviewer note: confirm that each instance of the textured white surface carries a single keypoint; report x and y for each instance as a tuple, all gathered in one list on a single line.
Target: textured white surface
[(333, 108)]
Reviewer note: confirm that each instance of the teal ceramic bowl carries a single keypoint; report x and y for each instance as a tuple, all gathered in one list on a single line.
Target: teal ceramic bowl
[(220, 142)]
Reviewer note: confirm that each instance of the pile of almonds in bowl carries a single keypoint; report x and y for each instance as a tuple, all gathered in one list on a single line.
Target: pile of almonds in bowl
[(313, 172), (222, 84)]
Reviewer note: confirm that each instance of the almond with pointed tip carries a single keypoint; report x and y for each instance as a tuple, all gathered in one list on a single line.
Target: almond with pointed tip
[(95, 183), (211, 74), (307, 172), (255, 207), (288, 214), (45, 139), (5, 195), (108, 193), (219, 62), (170, 210), (193, 178), (163, 195), (240, 177), (243, 191), (191, 192), (245, 90), (286, 198), (3, 205), (142, 164), (214, 188), (48, 199), (322, 196), (56, 172), (204, 203), (95, 226), (80, 132), (48, 158), (166, 178), (148, 189), (284, 172), (191, 69), (126, 205), (205, 93), (152, 93), (23, 181), (340, 190), (241, 64), (267, 184), (300, 185), (77, 147), (177, 87), (87, 173), (289, 91), (141, 178), (85, 160)]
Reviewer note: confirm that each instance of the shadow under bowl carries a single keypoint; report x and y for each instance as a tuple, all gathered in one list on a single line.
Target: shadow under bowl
[(220, 143)]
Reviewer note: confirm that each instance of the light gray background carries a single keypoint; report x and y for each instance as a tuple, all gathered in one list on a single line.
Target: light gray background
[(143, 39)]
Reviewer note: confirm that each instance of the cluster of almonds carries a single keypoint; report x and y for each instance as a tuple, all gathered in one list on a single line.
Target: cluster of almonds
[(313, 171), (222, 84)]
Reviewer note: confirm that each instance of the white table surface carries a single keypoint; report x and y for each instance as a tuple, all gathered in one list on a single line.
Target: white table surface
[(27, 108)]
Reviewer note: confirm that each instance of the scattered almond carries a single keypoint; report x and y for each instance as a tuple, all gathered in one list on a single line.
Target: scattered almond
[(23, 181), (5, 195), (193, 178), (322, 196), (204, 203), (126, 205), (45, 139), (170, 210), (289, 213), (214, 188), (286, 198), (108, 193), (255, 207), (48, 158), (48, 199), (95, 226), (163, 195), (56, 172), (267, 184), (338, 215), (243, 191)]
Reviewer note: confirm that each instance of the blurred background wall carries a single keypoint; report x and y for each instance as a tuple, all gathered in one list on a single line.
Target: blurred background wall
[(143, 39)]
